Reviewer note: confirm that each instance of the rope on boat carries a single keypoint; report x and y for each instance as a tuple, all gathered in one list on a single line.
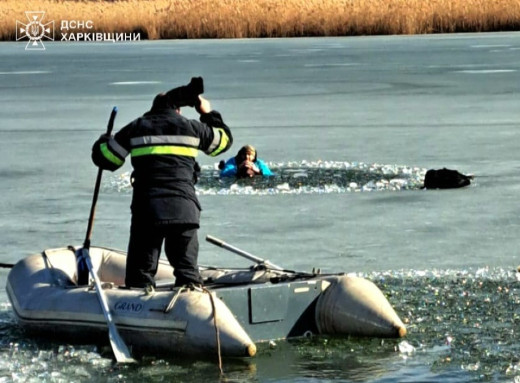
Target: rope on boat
[(217, 333), (174, 299)]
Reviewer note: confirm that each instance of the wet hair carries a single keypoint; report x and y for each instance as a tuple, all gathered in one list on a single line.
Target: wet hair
[(241, 155), (245, 172)]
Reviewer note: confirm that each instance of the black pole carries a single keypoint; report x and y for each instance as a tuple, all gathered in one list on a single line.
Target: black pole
[(83, 271), (86, 243), (121, 351)]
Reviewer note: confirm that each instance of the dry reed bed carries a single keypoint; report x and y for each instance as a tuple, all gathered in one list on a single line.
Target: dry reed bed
[(172, 19)]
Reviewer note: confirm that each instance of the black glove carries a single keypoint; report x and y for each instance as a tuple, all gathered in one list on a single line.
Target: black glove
[(187, 95)]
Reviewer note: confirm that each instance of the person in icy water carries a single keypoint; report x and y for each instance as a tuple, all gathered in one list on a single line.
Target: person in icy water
[(163, 146), (245, 164)]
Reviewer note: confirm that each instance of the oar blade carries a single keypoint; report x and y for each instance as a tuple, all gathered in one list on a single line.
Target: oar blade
[(119, 348), (121, 352)]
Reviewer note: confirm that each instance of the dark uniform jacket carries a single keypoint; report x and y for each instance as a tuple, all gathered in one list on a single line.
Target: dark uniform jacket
[(163, 146)]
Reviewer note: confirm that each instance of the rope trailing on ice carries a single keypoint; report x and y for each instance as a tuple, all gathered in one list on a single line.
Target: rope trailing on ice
[(217, 333)]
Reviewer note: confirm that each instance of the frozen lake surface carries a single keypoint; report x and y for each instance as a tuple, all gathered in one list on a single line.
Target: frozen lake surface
[(349, 125)]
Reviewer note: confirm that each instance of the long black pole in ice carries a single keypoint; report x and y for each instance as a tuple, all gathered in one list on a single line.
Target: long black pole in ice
[(121, 352)]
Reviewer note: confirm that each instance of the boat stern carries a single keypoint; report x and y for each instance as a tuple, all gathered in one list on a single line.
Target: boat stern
[(356, 306)]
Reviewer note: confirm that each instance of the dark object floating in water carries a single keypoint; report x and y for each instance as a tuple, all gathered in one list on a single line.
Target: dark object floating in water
[(445, 179)]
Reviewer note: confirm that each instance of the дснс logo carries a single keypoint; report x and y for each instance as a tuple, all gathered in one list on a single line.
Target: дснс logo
[(35, 30)]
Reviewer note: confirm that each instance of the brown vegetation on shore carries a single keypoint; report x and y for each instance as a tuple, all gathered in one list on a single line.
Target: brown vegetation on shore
[(180, 19)]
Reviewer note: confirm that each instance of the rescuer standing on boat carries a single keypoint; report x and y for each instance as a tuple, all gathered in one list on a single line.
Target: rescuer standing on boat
[(163, 145)]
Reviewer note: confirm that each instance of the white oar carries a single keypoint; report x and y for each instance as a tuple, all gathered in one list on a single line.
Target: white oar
[(244, 254), (119, 348)]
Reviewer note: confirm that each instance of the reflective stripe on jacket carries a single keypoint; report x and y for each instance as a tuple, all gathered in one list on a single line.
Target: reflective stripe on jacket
[(164, 132), (163, 146)]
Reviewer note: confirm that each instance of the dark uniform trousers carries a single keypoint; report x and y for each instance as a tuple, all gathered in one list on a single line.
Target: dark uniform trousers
[(181, 246), (165, 210)]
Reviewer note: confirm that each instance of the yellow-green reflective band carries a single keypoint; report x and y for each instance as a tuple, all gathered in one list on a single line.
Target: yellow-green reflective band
[(166, 149), (224, 139), (109, 155), (165, 140)]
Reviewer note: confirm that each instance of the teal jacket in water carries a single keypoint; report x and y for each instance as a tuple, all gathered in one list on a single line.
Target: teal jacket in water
[(230, 168)]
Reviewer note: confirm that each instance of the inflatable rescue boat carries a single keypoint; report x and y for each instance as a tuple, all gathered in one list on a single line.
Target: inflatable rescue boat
[(235, 309)]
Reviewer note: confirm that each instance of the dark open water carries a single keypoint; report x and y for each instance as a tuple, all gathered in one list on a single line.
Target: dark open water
[(349, 125)]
